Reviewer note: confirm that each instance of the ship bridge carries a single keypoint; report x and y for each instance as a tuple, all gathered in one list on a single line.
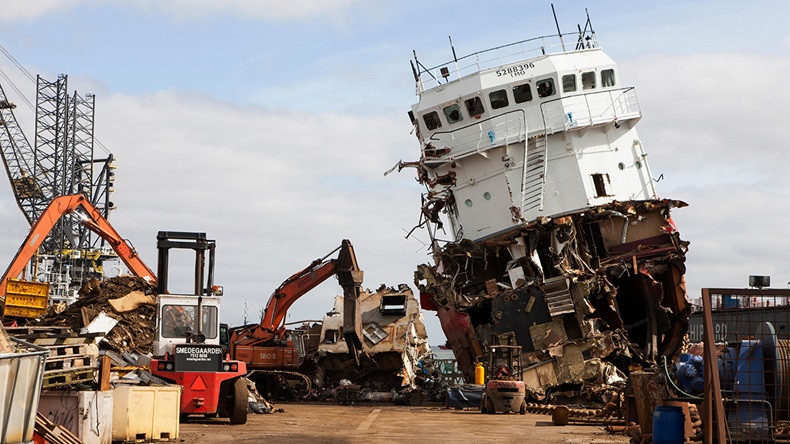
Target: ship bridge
[(533, 129)]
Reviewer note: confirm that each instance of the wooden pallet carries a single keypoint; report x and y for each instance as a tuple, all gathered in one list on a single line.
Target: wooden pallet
[(69, 362), (57, 378), (56, 351), (32, 330), (49, 340), (54, 433)]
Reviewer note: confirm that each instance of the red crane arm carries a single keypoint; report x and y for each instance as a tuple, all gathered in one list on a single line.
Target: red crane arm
[(92, 219)]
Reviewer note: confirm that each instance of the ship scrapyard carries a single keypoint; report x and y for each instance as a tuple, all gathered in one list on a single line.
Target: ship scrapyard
[(535, 172)]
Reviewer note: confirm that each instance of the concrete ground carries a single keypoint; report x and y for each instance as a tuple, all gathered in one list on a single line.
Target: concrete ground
[(386, 423)]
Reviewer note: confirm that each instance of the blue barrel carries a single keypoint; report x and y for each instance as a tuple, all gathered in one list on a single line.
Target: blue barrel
[(668, 425)]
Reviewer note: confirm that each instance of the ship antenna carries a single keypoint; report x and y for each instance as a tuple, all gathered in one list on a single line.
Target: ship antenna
[(558, 27), (589, 22), (455, 58)]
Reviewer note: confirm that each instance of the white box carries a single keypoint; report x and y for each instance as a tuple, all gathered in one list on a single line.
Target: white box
[(146, 413), (88, 415)]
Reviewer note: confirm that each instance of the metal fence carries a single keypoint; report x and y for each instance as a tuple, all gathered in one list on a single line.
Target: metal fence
[(746, 352)]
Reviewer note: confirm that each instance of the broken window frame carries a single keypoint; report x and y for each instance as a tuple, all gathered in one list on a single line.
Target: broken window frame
[(599, 182), (474, 106), (432, 120)]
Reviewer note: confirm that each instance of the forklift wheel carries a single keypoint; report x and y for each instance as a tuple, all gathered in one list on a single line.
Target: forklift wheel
[(490, 406), (238, 414), (523, 409)]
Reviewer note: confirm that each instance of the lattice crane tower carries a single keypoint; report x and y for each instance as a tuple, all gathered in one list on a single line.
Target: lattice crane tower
[(62, 161)]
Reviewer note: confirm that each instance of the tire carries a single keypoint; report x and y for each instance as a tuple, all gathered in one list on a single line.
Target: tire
[(523, 409), (483, 404), (490, 406), (238, 414)]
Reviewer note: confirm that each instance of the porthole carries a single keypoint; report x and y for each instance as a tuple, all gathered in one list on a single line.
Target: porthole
[(621, 165), (469, 203), (638, 164), (487, 195)]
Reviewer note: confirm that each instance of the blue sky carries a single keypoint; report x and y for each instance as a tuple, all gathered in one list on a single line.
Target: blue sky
[(349, 57), (269, 124)]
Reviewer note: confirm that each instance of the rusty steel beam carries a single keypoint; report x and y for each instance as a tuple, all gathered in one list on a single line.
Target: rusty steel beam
[(713, 399)]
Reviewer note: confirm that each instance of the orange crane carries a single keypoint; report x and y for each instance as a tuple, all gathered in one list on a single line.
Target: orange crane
[(265, 347), (92, 219)]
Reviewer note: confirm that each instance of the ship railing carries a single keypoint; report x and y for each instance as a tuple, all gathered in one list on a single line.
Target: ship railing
[(428, 78), (478, 137), (590, 109)]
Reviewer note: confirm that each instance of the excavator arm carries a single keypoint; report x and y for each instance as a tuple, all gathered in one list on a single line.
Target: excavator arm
[(92, 219), (272, 326)]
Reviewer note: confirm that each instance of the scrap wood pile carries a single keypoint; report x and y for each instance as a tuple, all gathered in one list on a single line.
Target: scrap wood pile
[(131, 301)]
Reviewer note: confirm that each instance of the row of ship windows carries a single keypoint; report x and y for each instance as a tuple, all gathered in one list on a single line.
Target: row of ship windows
[(521, 94)]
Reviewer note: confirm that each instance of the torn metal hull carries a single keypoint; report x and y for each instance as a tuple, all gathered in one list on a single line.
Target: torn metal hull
[(593, 300), (543, 217)]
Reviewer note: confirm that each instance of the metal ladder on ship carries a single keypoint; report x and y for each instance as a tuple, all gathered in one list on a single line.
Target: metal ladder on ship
[(534, 175)]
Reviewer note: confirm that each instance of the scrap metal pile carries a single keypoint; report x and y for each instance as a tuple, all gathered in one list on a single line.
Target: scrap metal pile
[(129, 300), (588, 294)]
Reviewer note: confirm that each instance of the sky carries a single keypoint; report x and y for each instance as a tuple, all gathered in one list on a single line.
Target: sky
[(269, 125)]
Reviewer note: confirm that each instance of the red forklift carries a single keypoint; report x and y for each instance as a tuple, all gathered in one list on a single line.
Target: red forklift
[(505, 390), (188, 346)]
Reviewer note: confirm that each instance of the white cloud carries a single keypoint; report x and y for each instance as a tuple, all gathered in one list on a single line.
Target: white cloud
[(276, 189), (270, 10), (18, 11), (713, 125)]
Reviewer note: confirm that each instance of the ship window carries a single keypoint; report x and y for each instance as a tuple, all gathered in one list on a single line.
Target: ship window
[(607, 78), (600, 180), (588, 80), (474, 106), (545, 87), (432, 120), (453, 113), (498, 99), (568, 83), (522, 93)]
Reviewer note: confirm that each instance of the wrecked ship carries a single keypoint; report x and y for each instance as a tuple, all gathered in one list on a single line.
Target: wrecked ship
[(543, 217)]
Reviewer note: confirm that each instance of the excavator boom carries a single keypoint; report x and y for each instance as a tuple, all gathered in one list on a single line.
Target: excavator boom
[(92, 219), (250, 344)]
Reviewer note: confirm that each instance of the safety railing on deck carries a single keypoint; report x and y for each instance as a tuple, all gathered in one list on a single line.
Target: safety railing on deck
[(428, 78), (504, 129), (590, 109)]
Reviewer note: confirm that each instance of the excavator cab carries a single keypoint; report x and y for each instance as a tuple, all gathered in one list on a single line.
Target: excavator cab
[(188, 344)]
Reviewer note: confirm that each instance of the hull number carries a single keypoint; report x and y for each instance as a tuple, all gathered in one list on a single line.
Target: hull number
[(515, 71)]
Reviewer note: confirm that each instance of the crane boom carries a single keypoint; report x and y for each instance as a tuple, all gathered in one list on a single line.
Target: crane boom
[(92, 219)]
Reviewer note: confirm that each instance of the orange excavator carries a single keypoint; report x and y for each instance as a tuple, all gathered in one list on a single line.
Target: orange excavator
[(266, 348), (92, 219)]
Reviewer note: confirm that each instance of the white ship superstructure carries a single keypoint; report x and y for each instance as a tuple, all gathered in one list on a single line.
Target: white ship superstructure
[(543, 218), (543, 135)]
